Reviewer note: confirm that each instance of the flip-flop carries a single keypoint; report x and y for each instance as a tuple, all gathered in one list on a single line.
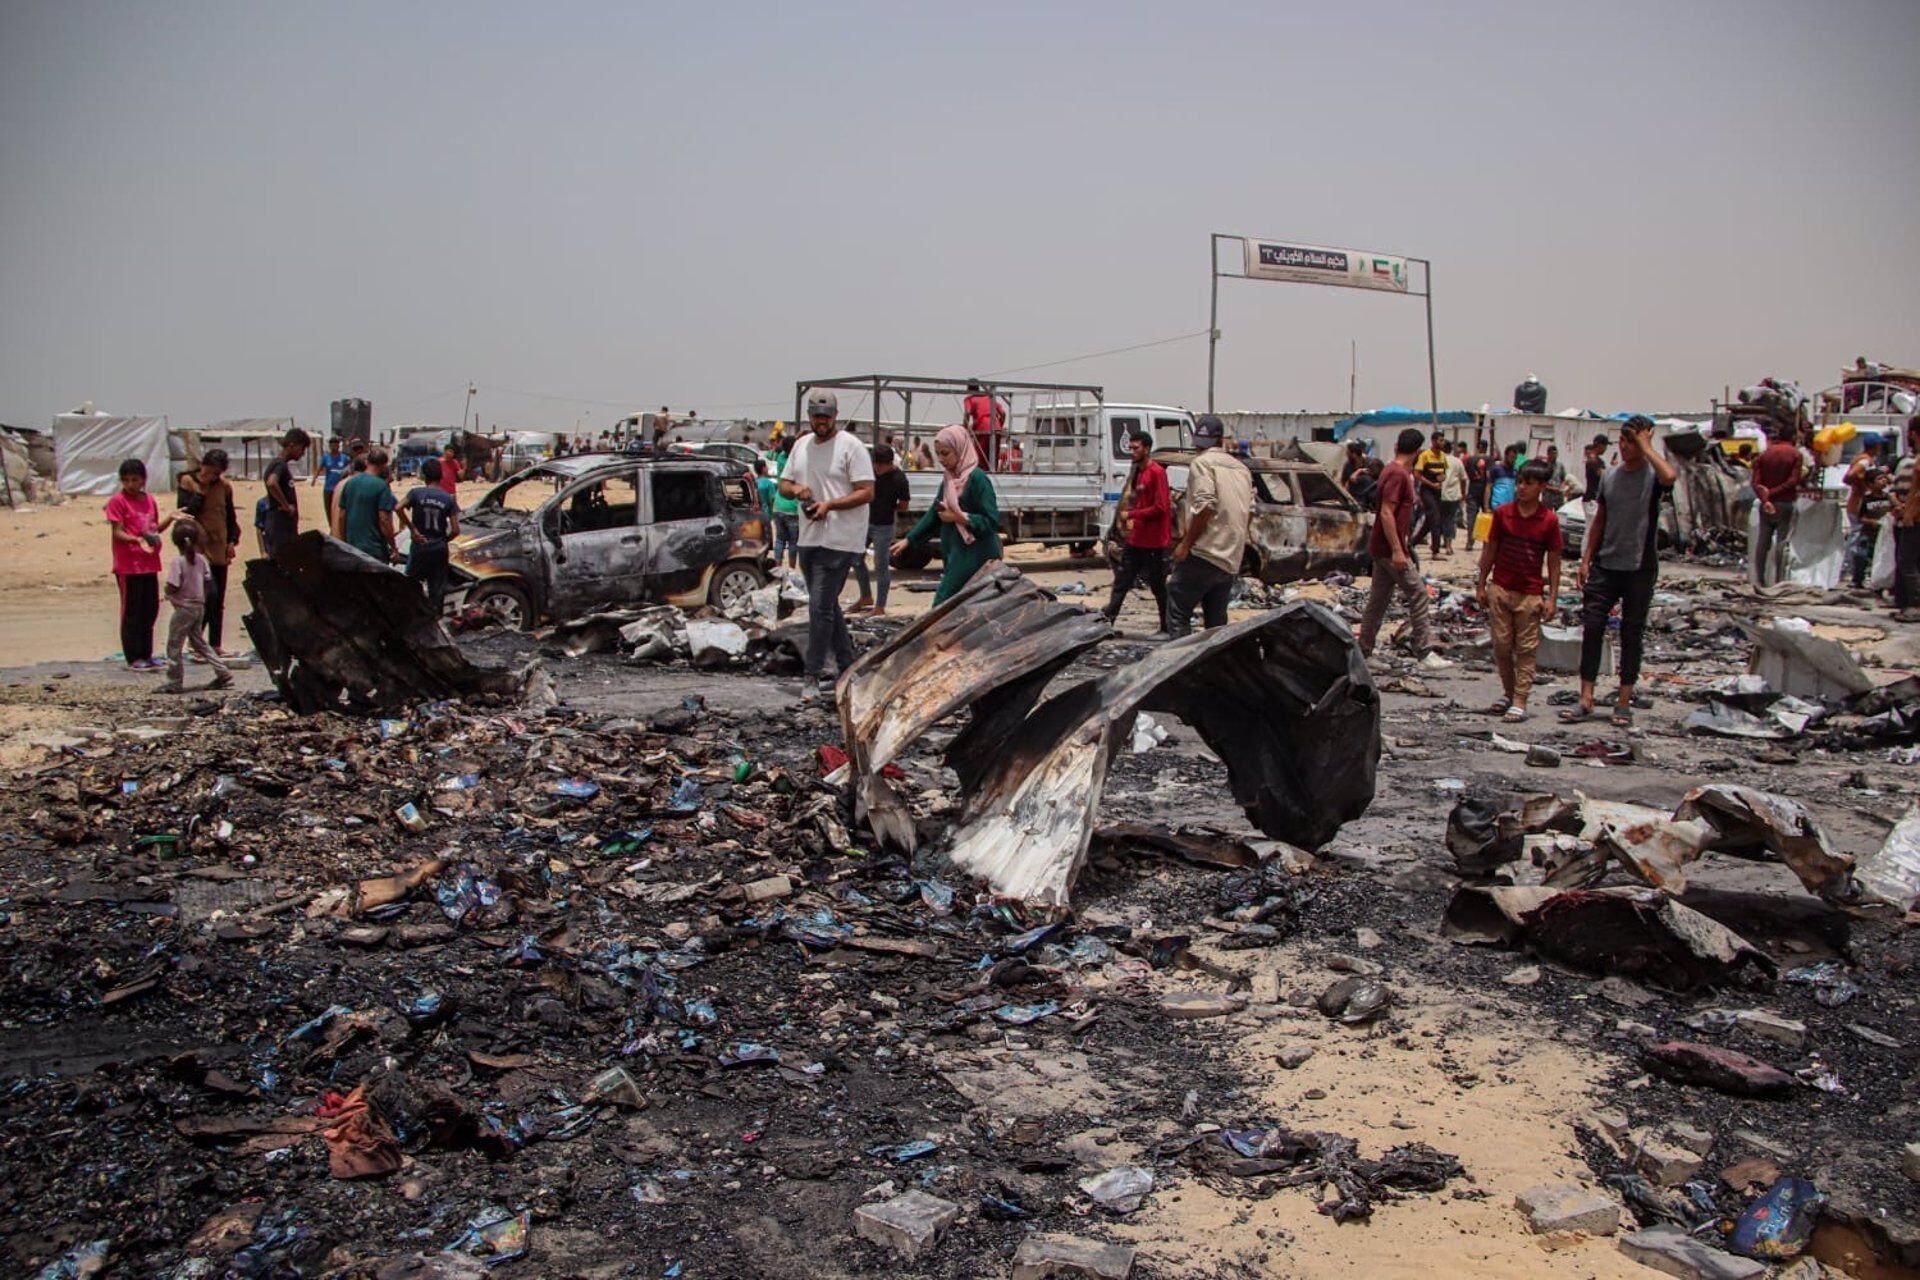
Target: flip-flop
[(1500, 707), (1575, 714), (1514, 715)]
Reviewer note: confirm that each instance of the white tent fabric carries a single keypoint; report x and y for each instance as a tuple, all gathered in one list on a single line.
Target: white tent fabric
[(88, 451)]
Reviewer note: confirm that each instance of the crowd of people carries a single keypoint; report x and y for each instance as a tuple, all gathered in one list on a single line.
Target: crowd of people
[(359, 506), (834, 501)]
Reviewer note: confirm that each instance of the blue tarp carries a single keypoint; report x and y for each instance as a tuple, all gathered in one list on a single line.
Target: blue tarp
[(1396, 415)]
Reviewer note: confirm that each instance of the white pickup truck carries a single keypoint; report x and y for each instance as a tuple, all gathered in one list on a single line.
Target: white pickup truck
[(1073, 464)]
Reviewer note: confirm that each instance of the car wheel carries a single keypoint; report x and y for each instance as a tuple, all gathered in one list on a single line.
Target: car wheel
[(733, 582), (506, 601)]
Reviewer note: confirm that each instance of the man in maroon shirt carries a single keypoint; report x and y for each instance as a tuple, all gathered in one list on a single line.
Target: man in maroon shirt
[(1146, 523), (1389, 545), (1776, 484), (1525, 536)]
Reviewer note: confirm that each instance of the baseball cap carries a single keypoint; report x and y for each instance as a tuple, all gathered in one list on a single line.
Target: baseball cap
[(822, 404), (1208, 427)]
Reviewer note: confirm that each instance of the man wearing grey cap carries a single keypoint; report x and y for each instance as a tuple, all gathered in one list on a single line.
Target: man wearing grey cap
[(1218, 507), (830, 474)]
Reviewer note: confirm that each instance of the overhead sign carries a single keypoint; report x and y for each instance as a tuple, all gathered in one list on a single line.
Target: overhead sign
[(1316, 264)]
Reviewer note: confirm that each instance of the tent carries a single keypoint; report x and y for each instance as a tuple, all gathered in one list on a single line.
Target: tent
[(89, 448)]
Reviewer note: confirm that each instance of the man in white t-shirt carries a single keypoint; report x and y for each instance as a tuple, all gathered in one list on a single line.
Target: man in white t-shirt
[(830, 474)]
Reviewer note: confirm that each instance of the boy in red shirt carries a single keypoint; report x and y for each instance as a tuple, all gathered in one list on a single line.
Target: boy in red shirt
[(1146, 524), (450, 470), (1525, 535)]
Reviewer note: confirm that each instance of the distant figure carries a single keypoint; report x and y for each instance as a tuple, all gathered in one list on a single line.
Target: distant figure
[(1619, 564), (280, 509), (432, 516), (188, 579), (137, 525), (768, 488), (363, 510), (332, 470), (1430, 470), (985, 418), (1776, 487), (1015, 459), (1555, 493), (966, 515), (1219, 510), (1146, 529), (830, 474), (889, 506), (206, 495), (1390, 546), (1355, 463), (1596, 463), (786, 515), (662, 423), (1522, 556), (1453, 492), (1906, 531), (449, 470)]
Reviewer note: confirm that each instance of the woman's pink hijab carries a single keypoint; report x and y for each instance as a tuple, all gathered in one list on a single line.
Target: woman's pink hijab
[(966, 462)]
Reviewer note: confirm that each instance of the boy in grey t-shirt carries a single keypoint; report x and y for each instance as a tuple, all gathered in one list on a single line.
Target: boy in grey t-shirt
[(1618, 564)]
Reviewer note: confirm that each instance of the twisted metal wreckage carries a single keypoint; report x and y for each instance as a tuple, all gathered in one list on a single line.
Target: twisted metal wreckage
[(1283, 699)]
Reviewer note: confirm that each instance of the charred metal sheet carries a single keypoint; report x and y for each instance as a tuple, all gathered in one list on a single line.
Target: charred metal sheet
[(993, 646), (1753, 824), (338, 630), (1203, 848), (1284, 699), (1635, 933), (1648, 842)]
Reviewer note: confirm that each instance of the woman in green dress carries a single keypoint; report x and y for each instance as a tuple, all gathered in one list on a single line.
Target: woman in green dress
[(967, 516)]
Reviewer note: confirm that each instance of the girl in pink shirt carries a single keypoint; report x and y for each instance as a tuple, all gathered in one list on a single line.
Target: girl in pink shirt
[(136, 522)]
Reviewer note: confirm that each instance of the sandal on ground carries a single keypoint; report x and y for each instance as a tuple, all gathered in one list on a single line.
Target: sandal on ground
[(1500, 706), (1623, 717), (1575, 714), (1514, 715)]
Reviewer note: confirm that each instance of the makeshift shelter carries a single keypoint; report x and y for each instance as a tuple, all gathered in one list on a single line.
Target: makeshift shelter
[(89, 448), (251, 444)]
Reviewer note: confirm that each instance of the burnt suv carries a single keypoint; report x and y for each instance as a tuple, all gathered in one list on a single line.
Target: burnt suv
[(603, 531)]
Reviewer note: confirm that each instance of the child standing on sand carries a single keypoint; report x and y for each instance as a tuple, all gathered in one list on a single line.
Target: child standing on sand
[(189, 578), (137, 525)]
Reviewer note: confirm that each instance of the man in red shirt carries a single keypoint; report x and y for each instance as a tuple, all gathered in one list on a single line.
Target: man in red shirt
[(986, 417), (1389, 545), (450, 470), (1776, 485), (1525, 535), (1146, 524)]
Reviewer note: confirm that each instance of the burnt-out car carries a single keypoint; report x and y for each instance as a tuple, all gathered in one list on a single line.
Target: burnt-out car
[(1304, 524), (603, 531)]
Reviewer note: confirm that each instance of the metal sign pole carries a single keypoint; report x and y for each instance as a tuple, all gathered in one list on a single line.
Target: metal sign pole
[(1433, 377), (1213, 311)]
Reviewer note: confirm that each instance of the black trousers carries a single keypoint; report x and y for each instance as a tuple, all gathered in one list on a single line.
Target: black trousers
[(428, 567), (1196, 582), (1633, 592), (1431, 529), (1137, 564), (139, 610), (217, 602)]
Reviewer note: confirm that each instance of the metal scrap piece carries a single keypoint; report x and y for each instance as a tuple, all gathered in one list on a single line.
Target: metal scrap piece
[(1750, 823), (1648, 842), (1283, 699), (992, 646), (1636, 933), (331, 622)]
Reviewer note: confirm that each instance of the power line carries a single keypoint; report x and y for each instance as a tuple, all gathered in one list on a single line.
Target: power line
[(1096, 355)]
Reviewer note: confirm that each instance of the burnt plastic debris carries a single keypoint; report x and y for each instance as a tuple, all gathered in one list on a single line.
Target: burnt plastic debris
[(338, 630)]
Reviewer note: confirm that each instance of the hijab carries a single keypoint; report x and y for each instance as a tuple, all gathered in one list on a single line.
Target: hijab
[(966, 462)]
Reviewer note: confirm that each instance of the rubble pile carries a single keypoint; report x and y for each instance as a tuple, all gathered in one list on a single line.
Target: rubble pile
[(421, 994)]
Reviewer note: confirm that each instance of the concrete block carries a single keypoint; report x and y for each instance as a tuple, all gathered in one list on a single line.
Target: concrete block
[(1666, 1162), (1046, 1257), (1567, 1207), (908, 1224), (1669, 1249)]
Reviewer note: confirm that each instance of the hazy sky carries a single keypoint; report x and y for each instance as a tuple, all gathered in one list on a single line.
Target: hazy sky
[(212, 210)]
